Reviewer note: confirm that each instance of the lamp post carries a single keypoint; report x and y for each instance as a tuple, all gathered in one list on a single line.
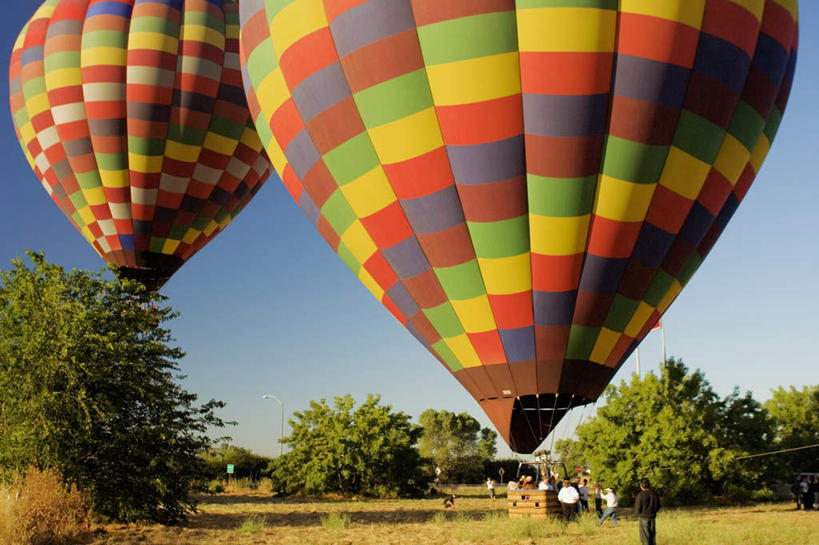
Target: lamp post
[(281, 432)]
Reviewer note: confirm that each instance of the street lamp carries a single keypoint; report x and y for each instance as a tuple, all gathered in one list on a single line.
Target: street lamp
[(281, 433)]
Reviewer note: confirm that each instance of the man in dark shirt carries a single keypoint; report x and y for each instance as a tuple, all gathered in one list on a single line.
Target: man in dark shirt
[(645, 507)]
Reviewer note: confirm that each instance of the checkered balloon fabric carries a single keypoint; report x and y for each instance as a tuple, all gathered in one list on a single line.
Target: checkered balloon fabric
[(133, 116), (525, 185)]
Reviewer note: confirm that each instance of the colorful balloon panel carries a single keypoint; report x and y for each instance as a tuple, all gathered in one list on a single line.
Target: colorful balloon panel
[(526, 186), (133, 115)]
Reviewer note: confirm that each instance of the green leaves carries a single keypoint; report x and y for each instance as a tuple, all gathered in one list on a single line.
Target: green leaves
[(87, 383), (368, 450), (796, 414), (455, 443), (676, 431)]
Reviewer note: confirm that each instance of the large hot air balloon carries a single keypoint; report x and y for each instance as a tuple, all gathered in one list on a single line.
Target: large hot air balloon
[(527, 185), (133, 116)]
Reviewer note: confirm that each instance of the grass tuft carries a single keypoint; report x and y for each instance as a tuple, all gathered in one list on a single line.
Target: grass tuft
[(335, 522), (588, 523), (253, 524)]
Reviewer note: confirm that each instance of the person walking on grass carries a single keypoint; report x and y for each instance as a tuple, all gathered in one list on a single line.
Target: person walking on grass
[(568, 498), (490, 485), (611, 507), (646, 506)]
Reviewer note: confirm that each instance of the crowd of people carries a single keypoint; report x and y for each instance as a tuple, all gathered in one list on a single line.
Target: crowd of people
[(574, 495), (806, 491)]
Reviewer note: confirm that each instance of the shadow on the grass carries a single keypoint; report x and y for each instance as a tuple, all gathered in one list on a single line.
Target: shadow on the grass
[(215, 521)]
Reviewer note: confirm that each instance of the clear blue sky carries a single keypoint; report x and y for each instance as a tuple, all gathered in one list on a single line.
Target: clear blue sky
[(267, 307)]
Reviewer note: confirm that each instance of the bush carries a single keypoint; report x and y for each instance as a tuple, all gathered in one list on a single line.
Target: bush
[(42, 512), (216, 486), (740, 494)]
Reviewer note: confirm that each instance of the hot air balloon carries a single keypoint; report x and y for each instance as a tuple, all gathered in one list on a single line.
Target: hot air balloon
[(528, 185), (133, 116)]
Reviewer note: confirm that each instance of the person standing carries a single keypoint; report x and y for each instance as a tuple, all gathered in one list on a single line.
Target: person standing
[(814, 488), (490, 485), (807, 493), (796, 490), (598, 499), (568, 498), (583, 490), (646, 506), (611, 507)]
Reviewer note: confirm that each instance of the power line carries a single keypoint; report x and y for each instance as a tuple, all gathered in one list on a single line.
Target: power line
[(776, 452)]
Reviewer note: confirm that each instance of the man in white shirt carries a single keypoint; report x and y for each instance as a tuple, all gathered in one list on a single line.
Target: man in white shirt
[(568, 498), (490, 485), (611, 507)]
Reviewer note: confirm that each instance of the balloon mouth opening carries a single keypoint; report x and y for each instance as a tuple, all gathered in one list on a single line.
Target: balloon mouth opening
[(152, 279), (535, 416)]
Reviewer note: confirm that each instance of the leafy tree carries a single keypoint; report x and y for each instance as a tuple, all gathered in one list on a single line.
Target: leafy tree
[(796, 416), (246, 464), (675, 430), (87, 386), (368, 450), (457, 444)]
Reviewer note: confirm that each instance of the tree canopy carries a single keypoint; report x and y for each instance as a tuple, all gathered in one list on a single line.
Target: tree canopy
[(675, 430), (340, 448), (457, 444), (246, 464), (796, 414), (88, 387)]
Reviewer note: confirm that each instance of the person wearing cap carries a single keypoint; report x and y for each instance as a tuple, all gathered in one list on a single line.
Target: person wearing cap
[(568, 498), (611, 507), (529, 483)]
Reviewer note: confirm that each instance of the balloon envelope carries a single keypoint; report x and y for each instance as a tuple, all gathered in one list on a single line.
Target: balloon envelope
[(527, 185), (133, 115)]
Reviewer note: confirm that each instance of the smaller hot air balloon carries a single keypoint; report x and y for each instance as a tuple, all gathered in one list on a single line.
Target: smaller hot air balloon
[(133, 116)]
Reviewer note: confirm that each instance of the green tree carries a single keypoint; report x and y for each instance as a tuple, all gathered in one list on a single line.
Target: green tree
[(675, 430), (368, 450), (246, 464), (457, 444), (87, 386), (796, 416)]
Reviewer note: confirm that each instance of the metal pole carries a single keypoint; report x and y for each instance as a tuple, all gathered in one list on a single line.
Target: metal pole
[(662, 336), (281, 431), (637, 355)]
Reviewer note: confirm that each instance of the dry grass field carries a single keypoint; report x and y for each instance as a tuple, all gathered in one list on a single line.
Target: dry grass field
[(239, 519)]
